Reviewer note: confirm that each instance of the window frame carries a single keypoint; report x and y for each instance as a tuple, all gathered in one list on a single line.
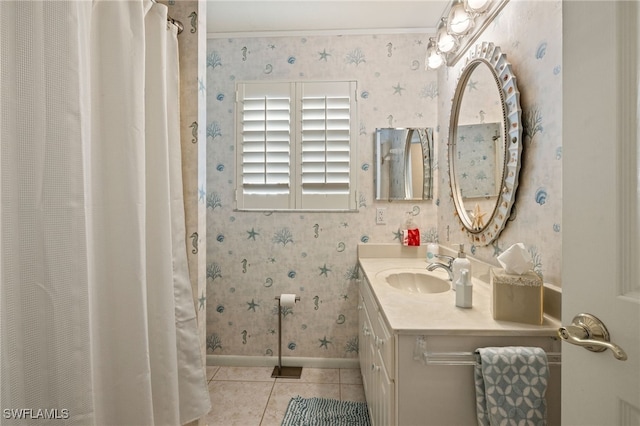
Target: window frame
[(314, 131)]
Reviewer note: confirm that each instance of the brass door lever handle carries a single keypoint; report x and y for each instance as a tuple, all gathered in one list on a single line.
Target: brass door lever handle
[(589, 332)]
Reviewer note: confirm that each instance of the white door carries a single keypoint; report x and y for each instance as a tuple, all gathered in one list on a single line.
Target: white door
[(600, 243)]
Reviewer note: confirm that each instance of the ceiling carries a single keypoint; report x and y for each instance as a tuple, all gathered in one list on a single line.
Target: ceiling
[(317, 16)]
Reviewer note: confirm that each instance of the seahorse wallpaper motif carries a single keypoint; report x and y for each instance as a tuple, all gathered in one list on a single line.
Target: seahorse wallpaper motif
[(255, 256)]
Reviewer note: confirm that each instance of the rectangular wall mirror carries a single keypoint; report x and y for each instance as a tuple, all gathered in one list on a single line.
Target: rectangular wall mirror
[(403, 163)]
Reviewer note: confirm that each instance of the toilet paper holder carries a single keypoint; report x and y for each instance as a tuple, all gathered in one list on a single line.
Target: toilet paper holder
[(279, 370)]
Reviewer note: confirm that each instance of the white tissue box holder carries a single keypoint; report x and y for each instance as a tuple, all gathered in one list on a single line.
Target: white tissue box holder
[(516, 298)]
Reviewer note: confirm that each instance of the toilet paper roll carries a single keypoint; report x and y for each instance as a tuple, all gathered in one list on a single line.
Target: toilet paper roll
[(287, 300)]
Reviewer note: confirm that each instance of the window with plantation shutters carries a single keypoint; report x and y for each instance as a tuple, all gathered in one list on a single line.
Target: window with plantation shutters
[(296, 147), (264, 145)]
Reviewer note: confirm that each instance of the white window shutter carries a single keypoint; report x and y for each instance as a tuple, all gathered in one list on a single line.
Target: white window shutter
[(294, 147), (326, 156), (264, 118)]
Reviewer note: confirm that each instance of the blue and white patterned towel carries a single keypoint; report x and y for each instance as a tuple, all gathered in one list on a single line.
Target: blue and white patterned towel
[(511, 383)]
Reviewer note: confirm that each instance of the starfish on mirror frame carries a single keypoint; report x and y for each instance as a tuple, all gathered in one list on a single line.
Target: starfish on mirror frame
[(478, 217)]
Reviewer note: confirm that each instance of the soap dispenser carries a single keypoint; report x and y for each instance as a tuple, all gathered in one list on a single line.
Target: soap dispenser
[(464, 290), (432, 252), (459, 263)]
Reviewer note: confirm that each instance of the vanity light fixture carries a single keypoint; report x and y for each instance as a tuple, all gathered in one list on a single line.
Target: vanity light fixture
[(460, 21), (459, 28), (434, 59)]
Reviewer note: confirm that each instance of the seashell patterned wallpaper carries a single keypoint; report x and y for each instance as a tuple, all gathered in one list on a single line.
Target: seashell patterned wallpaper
[(254, 256)]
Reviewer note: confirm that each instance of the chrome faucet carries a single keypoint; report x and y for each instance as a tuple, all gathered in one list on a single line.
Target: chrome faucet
[(447, 267)]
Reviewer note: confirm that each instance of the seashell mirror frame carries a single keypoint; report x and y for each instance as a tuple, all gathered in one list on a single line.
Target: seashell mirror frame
[(483, 227)]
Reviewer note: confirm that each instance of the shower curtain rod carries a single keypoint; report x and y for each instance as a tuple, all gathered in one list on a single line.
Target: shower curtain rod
[(173, 21), (176, 23)]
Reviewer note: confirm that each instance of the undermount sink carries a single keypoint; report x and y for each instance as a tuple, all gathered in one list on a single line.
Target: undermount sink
[(415, 281)]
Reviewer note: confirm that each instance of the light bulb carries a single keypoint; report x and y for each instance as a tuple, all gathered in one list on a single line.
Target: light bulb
[(434, 59), (477, 6), (460, 21), (446, 42)]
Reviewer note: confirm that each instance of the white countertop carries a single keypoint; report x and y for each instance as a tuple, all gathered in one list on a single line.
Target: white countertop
[(436, 314)]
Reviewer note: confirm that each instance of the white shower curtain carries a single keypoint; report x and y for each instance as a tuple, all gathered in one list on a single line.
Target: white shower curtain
[(97, 323)]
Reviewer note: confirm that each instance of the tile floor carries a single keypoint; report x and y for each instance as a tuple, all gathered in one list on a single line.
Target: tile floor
[(247, 396)]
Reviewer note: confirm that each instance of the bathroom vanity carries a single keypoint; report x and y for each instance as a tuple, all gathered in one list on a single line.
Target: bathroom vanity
[(416, 349)]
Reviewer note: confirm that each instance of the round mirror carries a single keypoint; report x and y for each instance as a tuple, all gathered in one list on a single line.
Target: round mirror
[(485, 143)]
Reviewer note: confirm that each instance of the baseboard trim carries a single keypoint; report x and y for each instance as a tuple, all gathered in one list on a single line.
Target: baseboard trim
[(271, 361)]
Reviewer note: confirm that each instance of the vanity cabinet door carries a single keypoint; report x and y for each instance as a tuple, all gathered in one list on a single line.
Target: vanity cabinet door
[(377, 360), (365, 346), (380, 400), (386, 389)]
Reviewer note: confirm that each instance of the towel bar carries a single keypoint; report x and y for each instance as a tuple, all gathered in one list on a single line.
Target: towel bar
[(469, 358)]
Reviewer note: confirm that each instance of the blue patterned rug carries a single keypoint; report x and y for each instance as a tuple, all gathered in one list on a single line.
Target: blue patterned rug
[(325, 412)]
